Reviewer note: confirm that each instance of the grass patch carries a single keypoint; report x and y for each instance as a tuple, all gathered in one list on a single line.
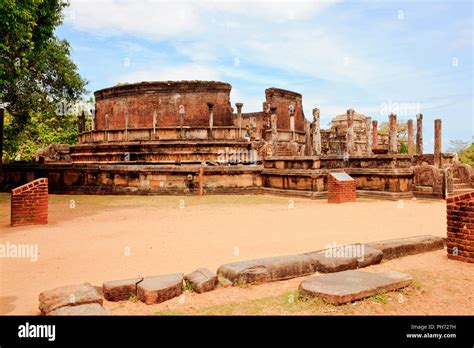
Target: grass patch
[(133, 298), (380, 298)]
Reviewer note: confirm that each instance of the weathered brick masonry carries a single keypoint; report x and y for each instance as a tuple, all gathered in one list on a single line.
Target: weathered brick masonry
[(341, 190), (460, 226), (29, 203), (163, 99)]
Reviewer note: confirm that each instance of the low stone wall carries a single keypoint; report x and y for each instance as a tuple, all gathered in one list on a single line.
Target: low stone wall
[(460, 227), (134, 179), (29, 203), (384, 176)]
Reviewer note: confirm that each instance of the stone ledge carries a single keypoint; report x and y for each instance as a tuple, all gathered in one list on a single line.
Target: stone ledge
[(348, 286), (394, 248)]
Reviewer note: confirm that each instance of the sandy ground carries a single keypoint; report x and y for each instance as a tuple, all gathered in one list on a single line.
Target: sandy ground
[(100, 238)]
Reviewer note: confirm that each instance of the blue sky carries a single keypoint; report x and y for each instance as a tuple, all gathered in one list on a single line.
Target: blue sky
[(372, 56)]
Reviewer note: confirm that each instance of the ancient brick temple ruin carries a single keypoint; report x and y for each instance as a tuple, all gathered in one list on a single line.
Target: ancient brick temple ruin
[(185, 137)]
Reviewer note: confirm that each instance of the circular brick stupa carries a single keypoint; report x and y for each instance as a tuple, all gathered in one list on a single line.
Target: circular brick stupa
[(165, 121), (163, 104)]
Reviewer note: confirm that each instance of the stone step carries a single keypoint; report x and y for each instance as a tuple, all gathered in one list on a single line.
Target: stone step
[(461, 186), (462, 191)]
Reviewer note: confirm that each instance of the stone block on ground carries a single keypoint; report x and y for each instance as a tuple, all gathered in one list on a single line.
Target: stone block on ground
[(85, 309), (268, 269), (69, 295), (160, 288), (346, 257), (120, 290), (348, 286), (202, 280), (394, 248)]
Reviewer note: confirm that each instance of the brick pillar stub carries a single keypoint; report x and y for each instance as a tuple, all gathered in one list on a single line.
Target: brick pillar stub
[(29, 203)]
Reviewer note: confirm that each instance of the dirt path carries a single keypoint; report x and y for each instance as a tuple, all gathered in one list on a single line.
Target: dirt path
[(100, 238)]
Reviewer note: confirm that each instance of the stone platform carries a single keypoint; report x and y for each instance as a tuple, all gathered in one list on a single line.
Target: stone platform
[(348, 286)]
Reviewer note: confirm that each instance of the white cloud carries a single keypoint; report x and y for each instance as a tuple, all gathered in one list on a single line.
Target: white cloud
[(189, 71)]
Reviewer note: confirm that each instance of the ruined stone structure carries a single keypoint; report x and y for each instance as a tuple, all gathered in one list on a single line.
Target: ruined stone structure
[(184, 137)]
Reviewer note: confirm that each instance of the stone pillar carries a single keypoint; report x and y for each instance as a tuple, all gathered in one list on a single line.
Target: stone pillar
[(437, 143), (410, 136), (2, 118), (154, 124), (375, 134), (181, 121), (419, 134), (92, 121), (273, 123), (211, 119), (368, 135), (316, 133), (291, 110), (200, 181), (239, 118), (392, 134), (81, 122), (308, 148), (106, 121), (350, 141), (126, 125)]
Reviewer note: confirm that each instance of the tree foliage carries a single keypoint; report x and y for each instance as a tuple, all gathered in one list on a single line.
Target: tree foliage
[(36, 72)]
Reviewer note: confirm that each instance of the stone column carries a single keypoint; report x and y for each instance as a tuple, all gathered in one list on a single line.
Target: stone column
[(410, 136), (273, 123), (181, 121), (368, 134), (239, 118), (154, 124), (419, 134), (106, 121), (2, 118), (316, 132), (392, 134), (437, 143), (308, 149), (211, 119), (126, 125), (375, 134), (291, 110), (92, 120), (350, 144), (80, 123)]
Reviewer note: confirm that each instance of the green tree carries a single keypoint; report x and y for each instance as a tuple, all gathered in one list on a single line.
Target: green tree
[(467, 155), (36, 70)]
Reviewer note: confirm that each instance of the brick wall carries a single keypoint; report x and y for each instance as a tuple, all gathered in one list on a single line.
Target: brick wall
[(29, 203), (460, 227), (340, 191), (282, 99)]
